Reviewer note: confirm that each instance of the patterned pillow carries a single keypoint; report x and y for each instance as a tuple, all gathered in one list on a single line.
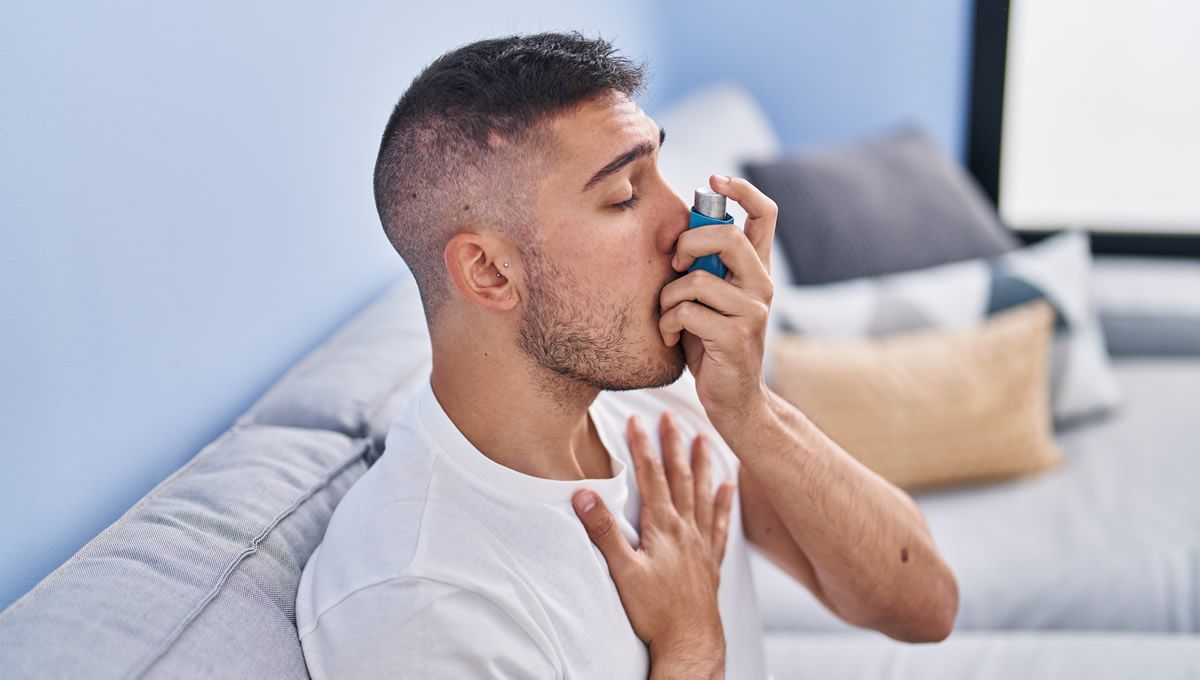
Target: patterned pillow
[(961, 294), (932, 408)]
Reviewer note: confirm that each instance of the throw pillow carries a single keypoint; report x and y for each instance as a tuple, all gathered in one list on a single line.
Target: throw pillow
[(959, 295), (932, 408), (891, 204)]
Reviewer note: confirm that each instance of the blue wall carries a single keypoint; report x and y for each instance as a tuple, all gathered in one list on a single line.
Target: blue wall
[(830, 71), (186, 209)]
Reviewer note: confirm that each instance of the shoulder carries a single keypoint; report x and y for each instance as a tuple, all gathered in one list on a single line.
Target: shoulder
[(426, 627), (390, 525)]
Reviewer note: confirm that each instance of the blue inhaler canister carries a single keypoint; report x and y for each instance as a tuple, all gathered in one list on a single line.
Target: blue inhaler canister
[(708, 207)]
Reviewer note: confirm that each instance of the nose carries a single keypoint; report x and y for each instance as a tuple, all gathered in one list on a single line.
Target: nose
[(675, 222)]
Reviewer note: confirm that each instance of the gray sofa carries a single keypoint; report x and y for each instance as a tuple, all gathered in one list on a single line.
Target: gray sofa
[(1090, 570)]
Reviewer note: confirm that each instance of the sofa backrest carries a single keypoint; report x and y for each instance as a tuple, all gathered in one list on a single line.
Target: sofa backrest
[(357, 379), (199, 578)]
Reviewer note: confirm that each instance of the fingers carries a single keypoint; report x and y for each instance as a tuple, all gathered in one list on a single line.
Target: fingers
[(703, 323), (715, 293), (756, 204), (652, 484), (721, 508), (762, 213), (679, 473), (602, 528), (734, 249), (702, 473)]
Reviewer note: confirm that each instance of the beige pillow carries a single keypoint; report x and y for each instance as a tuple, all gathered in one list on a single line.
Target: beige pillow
[(932, 408)]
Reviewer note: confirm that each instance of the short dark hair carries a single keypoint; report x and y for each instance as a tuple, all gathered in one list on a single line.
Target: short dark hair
[(467, 140)]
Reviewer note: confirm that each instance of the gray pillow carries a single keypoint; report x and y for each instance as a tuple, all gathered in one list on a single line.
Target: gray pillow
[(890, 204), (199, 578)]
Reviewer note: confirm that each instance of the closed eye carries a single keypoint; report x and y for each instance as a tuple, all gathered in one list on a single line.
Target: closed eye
[(626, 205)]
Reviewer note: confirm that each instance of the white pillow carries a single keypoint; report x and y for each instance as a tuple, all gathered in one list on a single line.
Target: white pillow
[(961, 294), (713, 130)]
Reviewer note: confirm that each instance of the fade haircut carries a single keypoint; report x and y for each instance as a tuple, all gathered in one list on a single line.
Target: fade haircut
[(469, 140)]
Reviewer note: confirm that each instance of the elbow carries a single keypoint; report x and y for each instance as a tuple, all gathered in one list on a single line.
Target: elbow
[(949, 608), (930, 619), (939, 619), (940, 627)]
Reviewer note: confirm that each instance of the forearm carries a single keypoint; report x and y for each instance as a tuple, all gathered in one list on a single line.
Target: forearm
[(865, 540)]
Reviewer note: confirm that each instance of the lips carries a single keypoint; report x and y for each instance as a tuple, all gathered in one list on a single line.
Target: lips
[(658, 296)]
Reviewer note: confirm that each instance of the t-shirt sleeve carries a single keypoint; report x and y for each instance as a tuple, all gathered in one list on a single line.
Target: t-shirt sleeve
[(419, 628)]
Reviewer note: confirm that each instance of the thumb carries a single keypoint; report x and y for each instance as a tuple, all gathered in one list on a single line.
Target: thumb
[(602, 528)]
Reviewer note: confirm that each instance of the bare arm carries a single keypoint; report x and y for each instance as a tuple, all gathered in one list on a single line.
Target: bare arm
[(687, 663), (860, 544)]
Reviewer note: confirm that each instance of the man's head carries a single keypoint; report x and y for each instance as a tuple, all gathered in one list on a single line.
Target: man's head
[(523, 149)]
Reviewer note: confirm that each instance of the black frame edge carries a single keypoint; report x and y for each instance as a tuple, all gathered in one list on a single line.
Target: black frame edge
[(989, 53)]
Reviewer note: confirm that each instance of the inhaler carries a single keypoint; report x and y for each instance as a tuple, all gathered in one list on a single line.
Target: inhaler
[(708, 207)]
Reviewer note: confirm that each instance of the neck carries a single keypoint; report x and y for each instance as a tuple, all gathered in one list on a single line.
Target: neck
[(520, 415)]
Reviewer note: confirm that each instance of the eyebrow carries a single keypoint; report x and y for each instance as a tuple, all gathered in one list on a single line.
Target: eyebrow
[(642, 149)]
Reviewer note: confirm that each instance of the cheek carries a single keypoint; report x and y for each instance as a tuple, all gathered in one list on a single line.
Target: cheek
[(617, 261)]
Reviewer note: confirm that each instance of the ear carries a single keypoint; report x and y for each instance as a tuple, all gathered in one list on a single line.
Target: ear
[(476, 266)]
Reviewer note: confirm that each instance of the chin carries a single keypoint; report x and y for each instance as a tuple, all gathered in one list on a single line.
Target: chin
[(674, 361)]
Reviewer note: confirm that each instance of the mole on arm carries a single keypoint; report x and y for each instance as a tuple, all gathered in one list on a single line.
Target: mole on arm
[(904, 554)]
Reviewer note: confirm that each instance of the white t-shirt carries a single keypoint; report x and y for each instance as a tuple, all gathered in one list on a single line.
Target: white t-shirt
[(441, 563)]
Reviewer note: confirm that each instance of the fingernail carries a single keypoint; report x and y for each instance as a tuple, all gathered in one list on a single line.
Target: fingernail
[(585, 501), (721, 179)]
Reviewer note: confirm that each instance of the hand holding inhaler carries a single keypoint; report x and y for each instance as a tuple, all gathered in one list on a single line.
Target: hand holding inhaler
[(719, 309)]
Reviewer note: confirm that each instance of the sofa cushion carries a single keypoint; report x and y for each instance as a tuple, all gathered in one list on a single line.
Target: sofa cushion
[(932, 408), (354, 381), (199, 578), (979, 654), (890, 204), (958, 295), (1149, 305)]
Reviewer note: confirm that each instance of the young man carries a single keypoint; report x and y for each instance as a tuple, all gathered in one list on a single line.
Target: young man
[(502, 533)]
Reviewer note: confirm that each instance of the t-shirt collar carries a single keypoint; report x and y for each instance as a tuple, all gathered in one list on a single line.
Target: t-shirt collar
[(455, 445)]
